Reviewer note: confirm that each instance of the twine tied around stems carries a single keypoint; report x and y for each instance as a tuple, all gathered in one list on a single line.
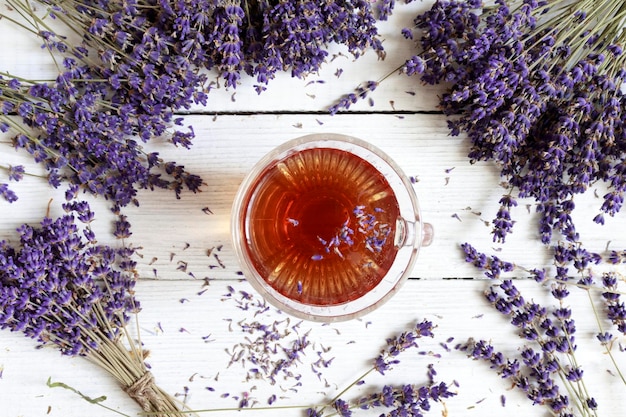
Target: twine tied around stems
[(142, 391)]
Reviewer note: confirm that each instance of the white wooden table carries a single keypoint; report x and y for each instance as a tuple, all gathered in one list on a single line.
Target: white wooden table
[(192, 327)]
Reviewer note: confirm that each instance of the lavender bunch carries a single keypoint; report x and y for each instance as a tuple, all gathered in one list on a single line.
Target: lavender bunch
[(81, 143), (111, 95), (59, 287), (537, 86), (546, 368), (234, 37), (537, 89), (261, 37)]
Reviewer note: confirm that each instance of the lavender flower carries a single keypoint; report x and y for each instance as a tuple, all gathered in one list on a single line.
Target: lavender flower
[(50, 285), (533, 96), (8, 194), (260, 38), (407, 399), (536, 374), (615, 308), (86, 126), (139, 62), (62, 289), (547, 353), (398, 344), (14, 173), (400, 400)]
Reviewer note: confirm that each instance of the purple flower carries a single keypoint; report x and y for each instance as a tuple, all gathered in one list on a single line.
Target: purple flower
[(15, 172), (8, 194), (49, 285), (492, 265), (406, 399), (615, 307), (311, 412), (541, 104), (399, 343), (547, 333), (122, 228), (342, 408)]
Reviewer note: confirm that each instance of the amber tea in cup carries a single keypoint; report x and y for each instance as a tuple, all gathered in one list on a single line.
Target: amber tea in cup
[(327, 227)]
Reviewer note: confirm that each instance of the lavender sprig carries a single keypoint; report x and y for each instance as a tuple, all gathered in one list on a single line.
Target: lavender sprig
[(14, 173), (407, 398), (615, 308), (537, 375), (548, 332)]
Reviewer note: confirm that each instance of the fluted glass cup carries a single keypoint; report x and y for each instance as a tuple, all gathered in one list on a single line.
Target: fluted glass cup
[(327, 227)]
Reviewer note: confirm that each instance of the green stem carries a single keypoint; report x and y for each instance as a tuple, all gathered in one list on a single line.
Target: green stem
[(7, 168), (606, 346), (579, 400), (18, 23), (96, 401), (25, 10)]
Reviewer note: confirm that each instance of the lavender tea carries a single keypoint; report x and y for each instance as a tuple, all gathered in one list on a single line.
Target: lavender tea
[(320, 226)]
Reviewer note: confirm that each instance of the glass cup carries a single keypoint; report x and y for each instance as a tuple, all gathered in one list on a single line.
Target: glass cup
[(327, 227)]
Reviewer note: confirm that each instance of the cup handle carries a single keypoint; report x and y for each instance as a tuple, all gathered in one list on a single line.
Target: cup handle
[(428, 233), (407, 233)]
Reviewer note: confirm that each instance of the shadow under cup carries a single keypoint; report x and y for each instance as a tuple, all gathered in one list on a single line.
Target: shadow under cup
[(327, 227)]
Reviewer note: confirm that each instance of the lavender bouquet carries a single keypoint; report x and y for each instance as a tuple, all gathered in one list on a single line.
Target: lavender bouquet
[(88, 126), (59, 287), (538, 87), (545, 366)]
